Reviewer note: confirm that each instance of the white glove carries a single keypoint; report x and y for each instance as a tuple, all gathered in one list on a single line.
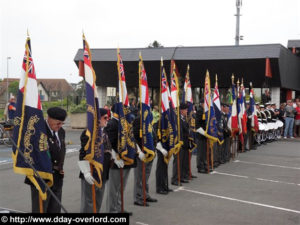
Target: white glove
[(160, 148), (201, 131), (141, 154), (118, 162), (85, 168)]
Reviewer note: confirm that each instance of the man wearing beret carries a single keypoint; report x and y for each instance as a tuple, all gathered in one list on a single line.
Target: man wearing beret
[(183, 153), (57, 149), (87, 179)]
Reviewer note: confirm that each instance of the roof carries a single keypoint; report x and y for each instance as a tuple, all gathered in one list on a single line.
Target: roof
[(293, 44), (187, 53), (245, 61), (48, 84)]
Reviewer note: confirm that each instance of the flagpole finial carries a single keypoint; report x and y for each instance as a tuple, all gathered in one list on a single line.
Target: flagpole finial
[(27, 33), (83, 36), (140, 54), (250, 84), (238, 82), (232, 78), (188, 67), (216, 77), (161, 61)]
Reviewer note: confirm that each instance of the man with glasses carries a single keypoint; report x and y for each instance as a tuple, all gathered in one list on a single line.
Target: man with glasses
[(57, 149), (87, 179)]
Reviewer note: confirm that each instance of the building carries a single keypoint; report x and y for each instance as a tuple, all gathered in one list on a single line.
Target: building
[(49, 89), (247, 62)]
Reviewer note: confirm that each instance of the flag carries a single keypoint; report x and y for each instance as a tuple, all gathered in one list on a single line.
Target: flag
[(126, 142), (243, 107), (232, 116), (218, 112), (254, 120), (241, 110), (268, 68), (30, 129), (94, 152), (146, 115), (210, 119), (174, 107), (191, 117), (166, 130)]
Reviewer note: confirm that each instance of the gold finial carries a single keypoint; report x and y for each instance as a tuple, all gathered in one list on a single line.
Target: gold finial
[(140, 54), (238, 82), (27, 33), (216, 77), (232, 78), (251, 84), (188, 67)]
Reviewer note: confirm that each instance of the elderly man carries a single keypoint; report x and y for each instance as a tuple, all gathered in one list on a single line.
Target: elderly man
[(57, 149)]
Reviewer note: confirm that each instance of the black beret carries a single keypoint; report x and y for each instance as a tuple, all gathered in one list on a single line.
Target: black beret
[(103, 111), (57, 113), (224, 104), (183, 106)]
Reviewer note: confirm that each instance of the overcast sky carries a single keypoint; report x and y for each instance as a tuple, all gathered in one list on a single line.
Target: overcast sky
[(56, 26)]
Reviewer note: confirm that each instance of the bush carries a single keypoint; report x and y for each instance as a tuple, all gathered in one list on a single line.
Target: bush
[(80, 108)]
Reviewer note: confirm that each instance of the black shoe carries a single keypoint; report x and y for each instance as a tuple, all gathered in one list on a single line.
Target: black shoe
[(141, 203), (184, 181), (202, 171), (162, 192), (169, 190), (175, 183), (149, 199), (193, 176), (130, 213)]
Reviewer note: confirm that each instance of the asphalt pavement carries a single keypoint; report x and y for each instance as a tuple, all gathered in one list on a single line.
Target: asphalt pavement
[(258, 187)]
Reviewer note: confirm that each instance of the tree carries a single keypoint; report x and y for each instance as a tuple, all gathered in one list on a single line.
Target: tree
[(155, 44), (13, 88)]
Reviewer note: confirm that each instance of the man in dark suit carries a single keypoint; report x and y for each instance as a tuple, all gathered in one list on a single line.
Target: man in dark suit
[(57, 149)]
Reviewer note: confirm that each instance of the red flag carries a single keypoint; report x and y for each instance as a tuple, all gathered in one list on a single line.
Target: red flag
[(268, 68)]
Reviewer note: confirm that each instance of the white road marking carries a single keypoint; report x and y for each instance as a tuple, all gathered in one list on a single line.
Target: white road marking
[(6, 209), (229, 174), (178, 189), (264, 164), (257, 178), (141, 223), (241, 201)]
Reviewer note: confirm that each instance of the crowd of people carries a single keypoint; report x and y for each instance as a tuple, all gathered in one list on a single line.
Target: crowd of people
[(273, 123)]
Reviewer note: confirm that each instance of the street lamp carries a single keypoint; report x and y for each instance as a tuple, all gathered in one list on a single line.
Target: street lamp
[(8, 58)]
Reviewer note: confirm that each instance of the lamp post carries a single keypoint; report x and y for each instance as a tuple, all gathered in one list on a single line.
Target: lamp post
[(8, 58)]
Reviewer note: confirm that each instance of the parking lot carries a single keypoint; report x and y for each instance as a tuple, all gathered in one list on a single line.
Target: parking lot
[(258, 187)]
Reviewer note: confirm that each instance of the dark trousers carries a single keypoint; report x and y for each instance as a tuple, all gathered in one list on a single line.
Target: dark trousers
[(161, 173), (49, 205), (201, 152), (226, 149)]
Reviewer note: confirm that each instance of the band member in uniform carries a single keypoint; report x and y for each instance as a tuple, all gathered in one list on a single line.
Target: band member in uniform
[(138, 171), (57, 149), (87, 179), (201, 140), (183, 153), (226, 131)]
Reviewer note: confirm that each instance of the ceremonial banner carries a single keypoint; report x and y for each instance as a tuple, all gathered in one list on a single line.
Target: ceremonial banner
[(167, 127), (126, 142), (188, 99), (210, 119), (146, 115), (174, 107), (254, 120), (94, 152), (232, 116), (218, 112), (30, 129)]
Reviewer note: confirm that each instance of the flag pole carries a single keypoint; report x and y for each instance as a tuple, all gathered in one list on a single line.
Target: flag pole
[(141, 132), (178, 122), (121, 169), (41, 204)]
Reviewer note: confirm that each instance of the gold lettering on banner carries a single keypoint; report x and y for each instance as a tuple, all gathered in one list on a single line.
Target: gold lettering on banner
[(99, 142), (91, 109), (27, 136), (43, 144)]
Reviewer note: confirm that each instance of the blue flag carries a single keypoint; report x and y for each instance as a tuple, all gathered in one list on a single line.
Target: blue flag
[(94, 150), (146, 116), (30, 129)]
